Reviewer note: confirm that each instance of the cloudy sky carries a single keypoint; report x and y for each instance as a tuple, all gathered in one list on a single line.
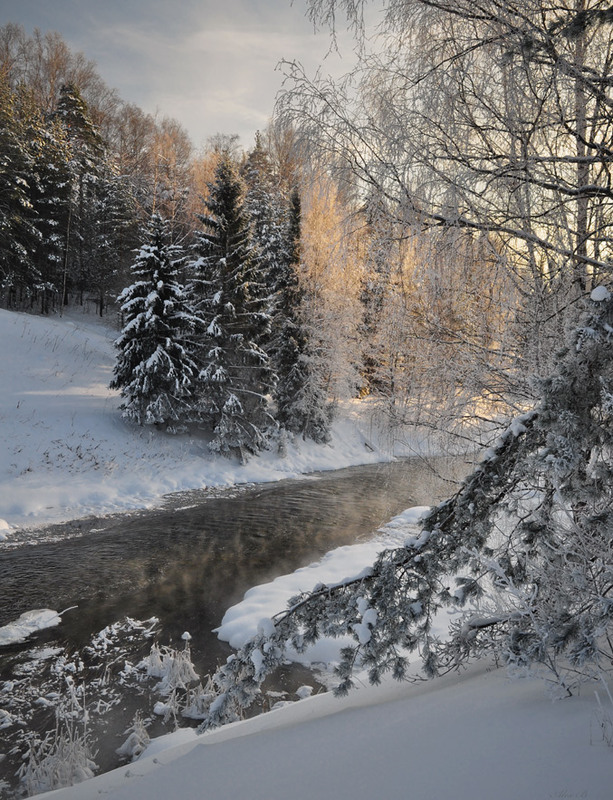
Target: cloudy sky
[(211, 64)]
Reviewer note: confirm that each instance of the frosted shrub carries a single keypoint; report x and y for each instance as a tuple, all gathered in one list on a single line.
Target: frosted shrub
[(180, 686), (63, 758), (198, 700), (137, 741), (174, 667)]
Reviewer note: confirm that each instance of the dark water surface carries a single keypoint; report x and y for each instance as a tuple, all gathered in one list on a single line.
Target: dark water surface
[(189, 562)]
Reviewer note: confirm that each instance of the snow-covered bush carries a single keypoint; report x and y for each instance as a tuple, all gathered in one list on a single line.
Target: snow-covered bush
[(63, 757), (180, 685), (198, 700), (174, 667), (528, 537), (137, 741)]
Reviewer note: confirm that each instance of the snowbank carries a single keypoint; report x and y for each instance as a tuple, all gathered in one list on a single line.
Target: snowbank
[(27, 624), (459, 738), (242, 621)]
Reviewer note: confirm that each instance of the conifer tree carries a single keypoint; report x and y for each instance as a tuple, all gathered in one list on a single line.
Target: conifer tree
[(235, 377), (49, 191), (302, 406), (18, 234), (86, 152), (266, 209), (154, 369), (111, 204), (301, 403), (73, 113)]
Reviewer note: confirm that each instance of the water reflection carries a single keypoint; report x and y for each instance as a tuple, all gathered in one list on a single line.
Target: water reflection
[(192, 560)]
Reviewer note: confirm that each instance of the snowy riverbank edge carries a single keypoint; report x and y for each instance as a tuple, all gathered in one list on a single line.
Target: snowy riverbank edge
[(68, 453)]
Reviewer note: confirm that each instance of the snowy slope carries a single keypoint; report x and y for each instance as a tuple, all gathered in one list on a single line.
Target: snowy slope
[(469, 737), (68, 453)]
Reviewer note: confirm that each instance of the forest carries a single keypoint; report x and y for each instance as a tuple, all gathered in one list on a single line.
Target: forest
[(427, 246), (432, 234)]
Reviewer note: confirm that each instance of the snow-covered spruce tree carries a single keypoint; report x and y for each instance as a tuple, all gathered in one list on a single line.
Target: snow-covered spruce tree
[(235, 375), (18, 234), (266, 209), (111, 204), (86, 151), (154, 369), (50, 188), (527, 542), (302, 403)]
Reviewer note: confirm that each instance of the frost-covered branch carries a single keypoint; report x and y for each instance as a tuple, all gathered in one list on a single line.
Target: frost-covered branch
[(506, 541)]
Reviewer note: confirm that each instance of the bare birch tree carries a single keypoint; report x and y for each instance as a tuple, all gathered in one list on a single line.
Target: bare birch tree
[(484, 116)]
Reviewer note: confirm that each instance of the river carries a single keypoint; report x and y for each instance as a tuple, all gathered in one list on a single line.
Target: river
[(190, 560)]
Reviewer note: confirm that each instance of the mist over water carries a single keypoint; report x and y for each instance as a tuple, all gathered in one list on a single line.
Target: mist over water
[(190, 561), (187, 563)]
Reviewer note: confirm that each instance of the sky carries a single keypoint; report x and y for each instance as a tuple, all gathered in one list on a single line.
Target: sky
[(210, 64)]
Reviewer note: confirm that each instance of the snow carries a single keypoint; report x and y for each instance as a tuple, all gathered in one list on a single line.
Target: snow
[(67, 453), (254, 612), (600, 293), (476, 735), (27, 624)]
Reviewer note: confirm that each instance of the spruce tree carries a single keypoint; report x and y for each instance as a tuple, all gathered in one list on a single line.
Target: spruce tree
[(302, 405), (154, 369), (111, 204), (235, 376), (73, 113), (86, 156), (49, 192), (18, 233), (266, 209)]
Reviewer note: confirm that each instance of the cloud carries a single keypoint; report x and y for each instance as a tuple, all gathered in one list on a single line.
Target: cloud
[(221, 76), (210, 64)]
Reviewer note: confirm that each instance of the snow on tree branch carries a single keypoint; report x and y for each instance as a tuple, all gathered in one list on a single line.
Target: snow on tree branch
[(527, 537)]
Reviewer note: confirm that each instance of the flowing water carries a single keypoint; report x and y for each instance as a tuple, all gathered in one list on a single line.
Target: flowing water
[(189, 561)]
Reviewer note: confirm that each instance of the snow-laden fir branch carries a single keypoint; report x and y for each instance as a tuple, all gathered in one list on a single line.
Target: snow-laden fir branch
[(528, 536)]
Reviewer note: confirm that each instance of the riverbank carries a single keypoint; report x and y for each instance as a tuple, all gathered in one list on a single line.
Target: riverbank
[(462, 737), (69, 454)]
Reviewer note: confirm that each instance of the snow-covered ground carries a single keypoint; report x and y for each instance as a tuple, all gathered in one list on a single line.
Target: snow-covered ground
[(473, 737), (67, 453)]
